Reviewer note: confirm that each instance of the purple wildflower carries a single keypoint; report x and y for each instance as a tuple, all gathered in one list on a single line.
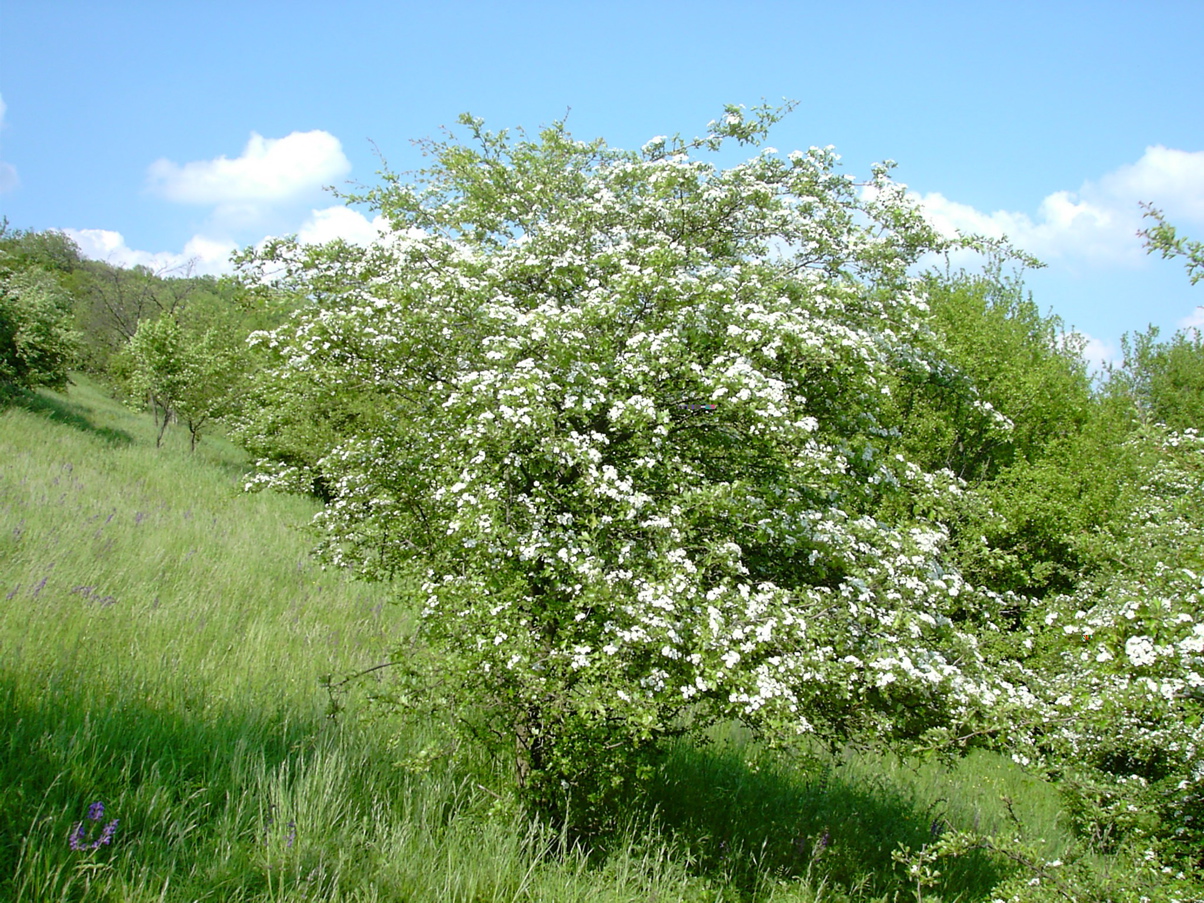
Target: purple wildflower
[(89, 592), (77, 838), (289, 839), (106, 836)]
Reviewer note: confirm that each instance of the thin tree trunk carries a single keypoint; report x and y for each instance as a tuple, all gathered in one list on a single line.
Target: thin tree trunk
[(163, 425)]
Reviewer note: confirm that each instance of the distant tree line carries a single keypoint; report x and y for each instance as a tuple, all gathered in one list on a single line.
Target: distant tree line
[(172, 343)]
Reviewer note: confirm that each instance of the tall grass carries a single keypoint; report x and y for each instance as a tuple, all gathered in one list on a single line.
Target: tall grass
[(163, 637)]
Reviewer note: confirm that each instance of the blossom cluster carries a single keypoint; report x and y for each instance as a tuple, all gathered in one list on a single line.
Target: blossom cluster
[(1118, 666)]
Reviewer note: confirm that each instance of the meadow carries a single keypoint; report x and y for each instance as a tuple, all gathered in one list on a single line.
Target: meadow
[(165, 644)]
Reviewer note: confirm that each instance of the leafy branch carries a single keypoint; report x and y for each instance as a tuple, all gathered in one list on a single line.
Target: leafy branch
[(1162, 236)]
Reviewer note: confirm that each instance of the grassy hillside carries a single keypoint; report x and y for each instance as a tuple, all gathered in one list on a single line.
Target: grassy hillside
[(163, 637)]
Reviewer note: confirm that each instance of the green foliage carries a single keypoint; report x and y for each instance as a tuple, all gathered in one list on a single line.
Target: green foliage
[(25, 249), (997, 348), (1002, 398), (37, 342), (1163, 237), (1041, 526), (1164, 380)]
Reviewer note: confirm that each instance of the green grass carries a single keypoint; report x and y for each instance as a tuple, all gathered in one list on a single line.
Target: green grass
[(163, 636)]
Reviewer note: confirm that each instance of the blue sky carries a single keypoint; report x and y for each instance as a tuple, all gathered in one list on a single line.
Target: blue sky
[(157, 132)]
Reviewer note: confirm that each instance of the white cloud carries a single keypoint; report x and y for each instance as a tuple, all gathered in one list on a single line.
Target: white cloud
[(1172, 179), (269, 171), (341, 222), (260, 191), (208, 255), (1194, 320), (201, 255), (8, 172), (1097, 353), (1097, 224)]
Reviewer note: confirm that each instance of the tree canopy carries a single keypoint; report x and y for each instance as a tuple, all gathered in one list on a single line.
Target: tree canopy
[(630, 425)]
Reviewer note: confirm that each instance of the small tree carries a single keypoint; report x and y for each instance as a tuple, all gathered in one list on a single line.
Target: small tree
[(193, 376), (626, 423), (152, 369)]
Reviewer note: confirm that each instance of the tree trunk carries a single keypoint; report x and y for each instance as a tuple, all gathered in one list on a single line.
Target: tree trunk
[(528, 748), (163, 425)]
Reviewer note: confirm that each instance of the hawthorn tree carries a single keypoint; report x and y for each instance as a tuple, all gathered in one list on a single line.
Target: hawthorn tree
[(152, 369), (1116, 667), (624, 416)]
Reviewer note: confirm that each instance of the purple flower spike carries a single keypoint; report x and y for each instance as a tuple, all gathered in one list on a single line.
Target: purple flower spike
[(77, 839), (106, 836)]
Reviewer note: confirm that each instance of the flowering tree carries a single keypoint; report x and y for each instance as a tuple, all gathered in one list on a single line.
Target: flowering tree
[(1118, 666), (624, 414)]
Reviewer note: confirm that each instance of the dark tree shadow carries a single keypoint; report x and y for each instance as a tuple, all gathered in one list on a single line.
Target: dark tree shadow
[(61, 410), (745, 823), (144, 761)]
